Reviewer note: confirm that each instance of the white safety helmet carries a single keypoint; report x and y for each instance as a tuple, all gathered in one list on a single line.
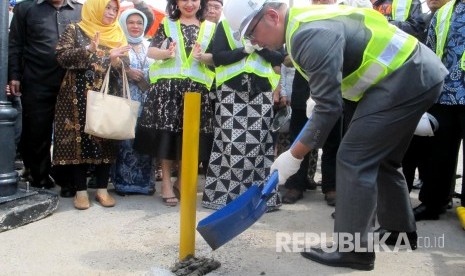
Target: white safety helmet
[(427, 125), (239, 13)]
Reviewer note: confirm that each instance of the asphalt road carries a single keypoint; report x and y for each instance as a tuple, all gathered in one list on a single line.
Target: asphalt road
[(140, 236)]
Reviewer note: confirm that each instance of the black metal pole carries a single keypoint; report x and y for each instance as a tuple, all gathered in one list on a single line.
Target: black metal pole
[(8, 176)]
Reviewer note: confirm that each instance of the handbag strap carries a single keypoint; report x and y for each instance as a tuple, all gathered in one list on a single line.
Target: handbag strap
[(126, 91), (106, 81)]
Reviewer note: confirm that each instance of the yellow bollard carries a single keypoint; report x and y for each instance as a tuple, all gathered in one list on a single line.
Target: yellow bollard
[(189, 173), (461, 215)]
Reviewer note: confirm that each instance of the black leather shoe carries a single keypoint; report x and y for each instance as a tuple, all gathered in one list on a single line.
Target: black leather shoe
[(67, 192), (292, 196), (422, 212), (310, 185), (393, 237), (330, 198), (355, 260), (450, 204), (46, 183), (26, 174)]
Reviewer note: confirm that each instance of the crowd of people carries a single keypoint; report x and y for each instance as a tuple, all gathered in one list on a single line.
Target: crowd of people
[(366, 103)]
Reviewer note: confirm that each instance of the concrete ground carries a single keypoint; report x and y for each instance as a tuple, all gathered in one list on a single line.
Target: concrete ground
[(140, 236)]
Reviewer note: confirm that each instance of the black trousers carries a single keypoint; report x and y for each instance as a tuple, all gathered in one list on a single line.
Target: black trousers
[(348, 113), (328, 158), (38, 102), (418, 155), (102, 174), (445, 145), (299, 180)]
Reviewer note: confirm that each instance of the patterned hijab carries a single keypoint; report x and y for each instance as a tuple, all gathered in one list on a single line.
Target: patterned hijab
[(122, 21), (92, 14)]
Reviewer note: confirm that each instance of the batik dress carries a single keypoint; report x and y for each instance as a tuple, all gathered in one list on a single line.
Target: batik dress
[(159, 130), (242, 151), (134, 172), (85, 71)]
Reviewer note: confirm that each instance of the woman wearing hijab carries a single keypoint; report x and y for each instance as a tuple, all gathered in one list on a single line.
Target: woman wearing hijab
[(179, 47), (133, 172), (86, 50)]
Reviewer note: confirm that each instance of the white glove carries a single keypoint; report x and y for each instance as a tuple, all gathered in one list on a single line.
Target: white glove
[(248, 47), (426, 124), (257, 47), (310, 105), (286, 165)]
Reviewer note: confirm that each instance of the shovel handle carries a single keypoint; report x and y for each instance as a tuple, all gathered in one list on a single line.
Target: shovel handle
[(270, 185)]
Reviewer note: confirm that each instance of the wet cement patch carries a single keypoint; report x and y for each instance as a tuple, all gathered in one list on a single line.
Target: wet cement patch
[(195, 266)]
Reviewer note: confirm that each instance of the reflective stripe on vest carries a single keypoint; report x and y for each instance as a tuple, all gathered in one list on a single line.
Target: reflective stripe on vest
[(254, 63), (441, 29), (401, 9), (183, 66), (387, 49)]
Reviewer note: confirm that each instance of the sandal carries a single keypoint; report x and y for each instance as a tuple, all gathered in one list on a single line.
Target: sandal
[(292, 195), (177, 192), (170, 201), (176, 189)]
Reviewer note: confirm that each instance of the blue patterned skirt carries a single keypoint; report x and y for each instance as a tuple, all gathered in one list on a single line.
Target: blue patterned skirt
[(133, 173)]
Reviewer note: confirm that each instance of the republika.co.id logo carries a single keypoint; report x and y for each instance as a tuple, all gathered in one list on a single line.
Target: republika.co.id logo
[(347, 242)]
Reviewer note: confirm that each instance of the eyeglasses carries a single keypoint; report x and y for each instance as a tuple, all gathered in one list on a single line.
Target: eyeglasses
[(250, 35), (214, 7)]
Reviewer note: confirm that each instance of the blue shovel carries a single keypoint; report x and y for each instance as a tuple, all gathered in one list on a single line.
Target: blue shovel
[(231, 220)]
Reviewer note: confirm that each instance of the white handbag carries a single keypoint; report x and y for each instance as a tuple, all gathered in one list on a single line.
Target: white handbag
[(109, 116)]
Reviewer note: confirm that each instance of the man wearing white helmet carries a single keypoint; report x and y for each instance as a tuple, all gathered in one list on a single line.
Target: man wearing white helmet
[(353, 54)]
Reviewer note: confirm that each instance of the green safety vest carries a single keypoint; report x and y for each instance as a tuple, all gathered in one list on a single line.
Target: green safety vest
[(254, 63), (441, 29), (401, 9), (387, 49), (183, 66)]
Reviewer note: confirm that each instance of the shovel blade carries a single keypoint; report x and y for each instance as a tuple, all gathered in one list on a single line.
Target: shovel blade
[(234, 218), (231, 220)]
